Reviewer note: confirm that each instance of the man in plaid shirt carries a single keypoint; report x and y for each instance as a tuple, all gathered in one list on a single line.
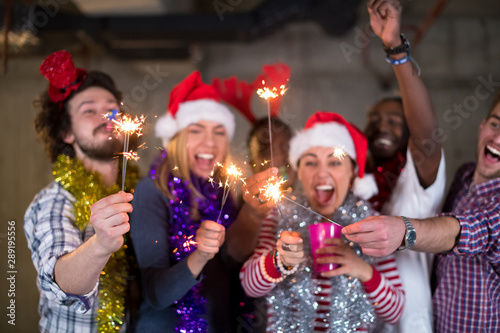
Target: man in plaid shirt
[(69, 259), (466, 236)]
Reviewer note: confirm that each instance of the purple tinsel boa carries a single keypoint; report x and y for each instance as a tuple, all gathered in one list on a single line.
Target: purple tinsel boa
[(183, 230)]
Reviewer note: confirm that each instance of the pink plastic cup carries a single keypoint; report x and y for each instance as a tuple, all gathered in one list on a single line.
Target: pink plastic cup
[(318, 233)]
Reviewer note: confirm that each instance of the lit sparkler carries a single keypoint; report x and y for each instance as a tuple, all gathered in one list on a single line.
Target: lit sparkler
[(339, 153), (272, 191), (233, 174), (131, 155), (268, 93), (126, 125)]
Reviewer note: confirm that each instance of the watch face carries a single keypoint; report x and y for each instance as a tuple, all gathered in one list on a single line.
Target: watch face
[(411, 237)]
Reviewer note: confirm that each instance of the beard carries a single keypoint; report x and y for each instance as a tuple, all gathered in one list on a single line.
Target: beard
[(101, 151)]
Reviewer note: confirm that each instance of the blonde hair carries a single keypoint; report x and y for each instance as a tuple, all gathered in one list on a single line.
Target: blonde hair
[(177, 164)]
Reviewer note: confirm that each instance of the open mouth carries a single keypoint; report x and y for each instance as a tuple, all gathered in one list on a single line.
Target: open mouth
[(383, 142), (205, 161), (491, 154), (324, 194)]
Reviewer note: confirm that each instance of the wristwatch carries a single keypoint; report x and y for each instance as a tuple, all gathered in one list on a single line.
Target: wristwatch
[(410, 235), (404, 47)]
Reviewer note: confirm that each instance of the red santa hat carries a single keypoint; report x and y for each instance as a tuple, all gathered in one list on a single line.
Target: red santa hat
[(328, 129), (191, 101)]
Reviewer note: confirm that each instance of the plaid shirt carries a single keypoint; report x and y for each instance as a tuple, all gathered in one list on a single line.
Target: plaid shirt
[(467, 298), (51, 233)]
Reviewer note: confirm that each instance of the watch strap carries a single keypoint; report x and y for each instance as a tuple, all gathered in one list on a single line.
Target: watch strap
[(403, 47), (410, 230)]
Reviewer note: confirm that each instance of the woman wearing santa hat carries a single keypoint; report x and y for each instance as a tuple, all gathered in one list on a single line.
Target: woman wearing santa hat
[(362, 292), (187, 263)]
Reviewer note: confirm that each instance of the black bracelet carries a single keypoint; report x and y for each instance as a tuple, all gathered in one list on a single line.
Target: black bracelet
[(404, 47)]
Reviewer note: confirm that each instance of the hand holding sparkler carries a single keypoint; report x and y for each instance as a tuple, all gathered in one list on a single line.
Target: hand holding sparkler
[(109, 221), (252, 191), (209, 238)]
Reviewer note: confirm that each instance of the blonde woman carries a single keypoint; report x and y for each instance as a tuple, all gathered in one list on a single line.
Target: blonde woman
[(187, 268)]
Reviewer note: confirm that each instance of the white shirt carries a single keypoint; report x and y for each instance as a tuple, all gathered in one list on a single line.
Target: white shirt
[(410, 199)]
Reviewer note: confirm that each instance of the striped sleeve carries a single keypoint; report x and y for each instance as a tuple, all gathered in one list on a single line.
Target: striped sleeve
[(254, 273), (385, 290)]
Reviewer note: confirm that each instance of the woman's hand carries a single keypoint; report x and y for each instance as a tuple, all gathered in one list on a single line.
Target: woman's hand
[(349, 262), (209, 238), (251, 191), (291, 248)]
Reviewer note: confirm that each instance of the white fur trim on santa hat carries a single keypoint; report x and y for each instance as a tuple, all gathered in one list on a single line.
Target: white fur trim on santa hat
[(191, 112), (365, 187), (165, 128), (321, 135)]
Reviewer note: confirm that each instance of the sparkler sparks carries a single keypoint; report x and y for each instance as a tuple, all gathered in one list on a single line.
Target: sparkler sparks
[(268, 93), (233, 171), (273, 92), (131, 155), (272, 190), (126, 125), (233, 175), (339, 152)]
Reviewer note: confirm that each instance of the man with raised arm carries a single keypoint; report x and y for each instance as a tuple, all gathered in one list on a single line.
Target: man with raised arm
[(466, 236)]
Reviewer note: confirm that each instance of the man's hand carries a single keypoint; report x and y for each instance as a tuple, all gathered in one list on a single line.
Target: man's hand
[(109, 217), (209, 238), (252, 188), (378, 236), (385, 19)]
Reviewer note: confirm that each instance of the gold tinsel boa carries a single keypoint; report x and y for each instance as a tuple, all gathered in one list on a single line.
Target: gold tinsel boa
[(87, 188)]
